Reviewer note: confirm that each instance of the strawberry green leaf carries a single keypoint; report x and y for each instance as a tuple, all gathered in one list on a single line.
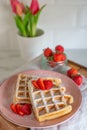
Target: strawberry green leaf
[(50, 58)]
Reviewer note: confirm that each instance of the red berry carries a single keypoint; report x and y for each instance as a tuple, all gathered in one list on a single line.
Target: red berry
[(78, 79), (59, 57), (48, 52), (34, 82), (40, 84), (19, 109), (59, 48), (72, 72), (48, 84), (13, 108), (26, 109)]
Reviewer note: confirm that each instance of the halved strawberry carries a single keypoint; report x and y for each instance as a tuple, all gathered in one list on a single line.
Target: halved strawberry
[(26, 109), (40, 84), (21, 113), (48, 84), (19, 109), (13, 108), (34, 82)]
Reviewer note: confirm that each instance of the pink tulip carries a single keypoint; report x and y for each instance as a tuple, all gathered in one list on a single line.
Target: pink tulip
[(14, 4), (34, 6), (17, 7)]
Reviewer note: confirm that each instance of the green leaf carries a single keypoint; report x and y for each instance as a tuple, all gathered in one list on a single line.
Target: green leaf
[(20, 25), (38, 14), (50, 58), (33, 20), (27, 24), (31, 26), (26, 19)]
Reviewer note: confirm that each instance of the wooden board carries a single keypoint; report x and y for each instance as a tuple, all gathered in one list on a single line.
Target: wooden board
[(82, 69), (6, 125)]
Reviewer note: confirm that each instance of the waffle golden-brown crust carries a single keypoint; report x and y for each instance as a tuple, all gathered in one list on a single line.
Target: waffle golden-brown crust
[(50, 104), (22, 91)]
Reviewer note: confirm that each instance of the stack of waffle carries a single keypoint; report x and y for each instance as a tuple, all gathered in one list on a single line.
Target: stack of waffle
[(46, 104)]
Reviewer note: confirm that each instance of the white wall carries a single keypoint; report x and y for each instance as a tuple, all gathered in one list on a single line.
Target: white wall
[(65, 21)]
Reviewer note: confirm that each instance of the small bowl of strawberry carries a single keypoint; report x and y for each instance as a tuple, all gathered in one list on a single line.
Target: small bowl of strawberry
[(56, 58)]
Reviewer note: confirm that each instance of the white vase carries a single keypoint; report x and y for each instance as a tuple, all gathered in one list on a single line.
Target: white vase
[(32, 47)]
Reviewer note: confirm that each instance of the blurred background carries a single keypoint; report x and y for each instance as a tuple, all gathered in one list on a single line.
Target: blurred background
[(65, 21)]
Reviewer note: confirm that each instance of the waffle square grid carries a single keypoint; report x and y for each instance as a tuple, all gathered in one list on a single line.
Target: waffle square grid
[(22, 91), (50, 104)]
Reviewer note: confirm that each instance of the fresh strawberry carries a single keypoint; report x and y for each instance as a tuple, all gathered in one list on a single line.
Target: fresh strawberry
[(35, 84), (72, 72), (59, 49), (59, 57), (21, 113), (26, 109), (19, 109), (40, 84), (13, 108), (48, 84), (48, 52), (78, 79)]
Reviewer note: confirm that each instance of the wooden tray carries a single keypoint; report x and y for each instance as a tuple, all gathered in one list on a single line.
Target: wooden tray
[(82, 69)]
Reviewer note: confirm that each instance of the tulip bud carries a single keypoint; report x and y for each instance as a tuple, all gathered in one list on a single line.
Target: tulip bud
[(34, 6), (17, 7)]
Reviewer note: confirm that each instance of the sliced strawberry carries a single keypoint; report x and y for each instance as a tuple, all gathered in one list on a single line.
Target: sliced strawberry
[(26, 109), (13, 108), (41, 84), (78, 79), (21, 113), (48, 52), (59, 48), (19, 109), (48, 84), (35, 84)]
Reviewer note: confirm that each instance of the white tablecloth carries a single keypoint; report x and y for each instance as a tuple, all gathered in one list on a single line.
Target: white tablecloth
[(78, 122)]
